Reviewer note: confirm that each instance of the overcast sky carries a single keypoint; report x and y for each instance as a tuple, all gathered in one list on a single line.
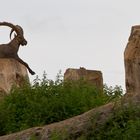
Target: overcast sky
[(65, 34)]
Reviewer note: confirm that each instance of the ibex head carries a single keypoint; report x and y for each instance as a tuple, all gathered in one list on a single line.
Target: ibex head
[(19, 32), (19, 35)]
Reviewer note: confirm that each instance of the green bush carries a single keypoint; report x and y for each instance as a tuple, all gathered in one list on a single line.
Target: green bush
[(123, 125), (48, 101)]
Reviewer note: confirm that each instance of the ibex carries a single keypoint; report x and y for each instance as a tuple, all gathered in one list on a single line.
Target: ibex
[(10, 50)]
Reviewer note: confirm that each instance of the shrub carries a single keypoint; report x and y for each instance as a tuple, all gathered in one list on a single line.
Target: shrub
[(47, 101), (124, 125)]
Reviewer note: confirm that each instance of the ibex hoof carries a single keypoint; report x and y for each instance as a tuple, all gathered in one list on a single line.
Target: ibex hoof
[(32, 72)]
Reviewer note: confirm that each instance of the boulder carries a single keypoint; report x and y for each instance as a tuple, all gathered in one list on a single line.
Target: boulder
[(93, 77), (12, 73), (132, 61)]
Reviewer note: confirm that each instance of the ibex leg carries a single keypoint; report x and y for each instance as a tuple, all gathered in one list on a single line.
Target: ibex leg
[(25, 64)]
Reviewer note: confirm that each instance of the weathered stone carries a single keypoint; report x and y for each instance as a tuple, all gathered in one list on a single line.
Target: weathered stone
[(132, 61), (92, 76), (12, 73)]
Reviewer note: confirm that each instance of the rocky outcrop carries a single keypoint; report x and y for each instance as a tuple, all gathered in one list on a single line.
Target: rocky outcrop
[(93, 77), (132, 61), (94, 118), (12, 73)]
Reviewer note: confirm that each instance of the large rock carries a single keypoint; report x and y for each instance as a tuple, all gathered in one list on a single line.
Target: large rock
[(132, 61), (92, 76), (12, 73)]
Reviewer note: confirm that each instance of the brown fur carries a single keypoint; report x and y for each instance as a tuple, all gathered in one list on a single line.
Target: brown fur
[(10, 50)]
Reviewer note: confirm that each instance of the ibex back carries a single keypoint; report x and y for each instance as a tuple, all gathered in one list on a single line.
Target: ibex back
[(10, 49)]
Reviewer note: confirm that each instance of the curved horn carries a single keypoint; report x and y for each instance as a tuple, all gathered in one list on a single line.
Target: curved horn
[(15, 28), (9, 25), (19, 28), (11, 32)]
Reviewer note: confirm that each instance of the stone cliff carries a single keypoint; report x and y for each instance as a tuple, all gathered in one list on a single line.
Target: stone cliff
[(132, 61)]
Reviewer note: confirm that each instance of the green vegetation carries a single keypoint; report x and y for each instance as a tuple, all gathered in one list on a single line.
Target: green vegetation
[(48, 101), (123, 125)]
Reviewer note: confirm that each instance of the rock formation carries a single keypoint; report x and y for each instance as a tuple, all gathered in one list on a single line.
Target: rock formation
[(132, 61), (91, 76), (97, 116), (12, 73)]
